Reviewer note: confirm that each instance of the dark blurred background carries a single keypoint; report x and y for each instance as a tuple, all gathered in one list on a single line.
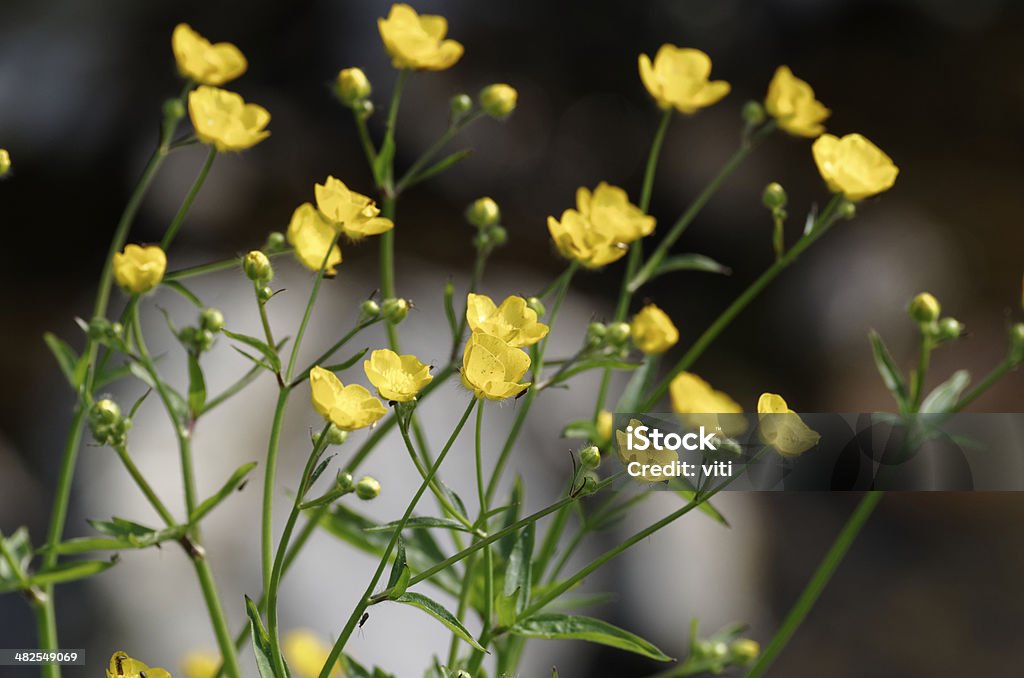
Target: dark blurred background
[(931, 588)]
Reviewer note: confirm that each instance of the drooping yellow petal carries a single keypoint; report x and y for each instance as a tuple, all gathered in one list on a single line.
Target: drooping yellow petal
[(678, 77), (223, 119), (139, 269), (782, 428), (418, 41), (853, 166), (205, 63), (791, 102), (310, 234), (396, 377)]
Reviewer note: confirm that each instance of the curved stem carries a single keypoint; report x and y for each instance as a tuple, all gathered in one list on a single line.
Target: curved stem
[(269, 472), (1000, 371), (190, 198)]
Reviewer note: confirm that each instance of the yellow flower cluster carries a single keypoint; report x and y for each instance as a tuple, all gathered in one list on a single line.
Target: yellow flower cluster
[(418, 41), (138, 269), (601, 227), (492, 363)]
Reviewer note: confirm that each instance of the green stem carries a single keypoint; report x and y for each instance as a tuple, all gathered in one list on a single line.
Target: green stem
[(825, 221), (190, 198), (1000, 371), (918, 377), (219, 621), (367, 596), (326, 355), (215, 267), (364, 137), (413, 172), (817, 583), (308, 313), (143, 484), (269, 472), (488, 612)]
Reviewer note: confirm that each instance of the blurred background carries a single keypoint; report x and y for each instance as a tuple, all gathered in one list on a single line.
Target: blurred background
[(932, 586)]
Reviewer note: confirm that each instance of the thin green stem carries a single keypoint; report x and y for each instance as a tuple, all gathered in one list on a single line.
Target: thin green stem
[(269, 472), (1000, 371), (918, 377), (217, 618), (367, 596), (13, 564), (364, 136), (817, 583), (488, 604), (143, 484), (412, 174), (308, 313), (216, 267), (190, 198), (326, 355)]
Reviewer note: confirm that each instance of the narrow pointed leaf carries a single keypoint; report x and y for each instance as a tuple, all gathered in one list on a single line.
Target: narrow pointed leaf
[(560, 626), (260, 641), (946, 394), (70, 571), (268, 351), (438, 612), (65, 356), (690, 262), (223, 493)]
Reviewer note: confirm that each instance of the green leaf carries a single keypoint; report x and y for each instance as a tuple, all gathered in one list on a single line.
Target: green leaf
[(66, 358), (246, 379), (223, 493), (518, 569), (184, 291), (705, 507), (632, 395), (196, 386), (338, 367), (382, 163), (560, 626), (261, 363), (690, 262), (398, 565), (21, 550), (70, 571), (452, 496), (177, 403), (449, 309), (507, 543), (581, 429), (269, 352), (505, 606), (422, 523), (440, 166), (260, 641), (946, 394), (890, 374), (438, 612)]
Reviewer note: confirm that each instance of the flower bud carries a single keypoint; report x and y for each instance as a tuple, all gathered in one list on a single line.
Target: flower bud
[(353, 86), (618, 333), (924, 308), (774, 196), (275, 241), (483, 212), (590, 457), (537, 306), (589, 486), (367, 488), (460, 105), (5, 162), (753, 113), (257, 267), (744, 651), (369, 310), (948, 329), (394, 310), (211, 319), (498, 100), (463, 673), (335, 436), (107, 424), (847, 210), (99, 328), (718, 649), (264, 294), (105, 412), (344, 480), (1017, 343), (365, 108), (595, 334), (202, 340), (495, 236), (174, 110)]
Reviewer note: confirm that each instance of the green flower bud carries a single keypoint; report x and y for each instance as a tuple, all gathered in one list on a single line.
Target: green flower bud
[(335, 436), (483, 212), (107, 424), (460, 105), (367, 488), (498, 100), (369, 310), (187, 336), (116, 329), (257, 267), (590, 457), (203, 340), (618, 333), (5, 162), (211, 319), (589, 486), (495, 236), (774, 196), (596, 333), (365, 108), (753, 113), (718, 649), (463, 673), (1017, 343), (394, 310), (744, 651), (924, 308), (847, 210), (537, 306), (99, 329), (264, 294), (174, 110), (105, 412), (275, 241), (343, 480), (353, 86), (948, 329)]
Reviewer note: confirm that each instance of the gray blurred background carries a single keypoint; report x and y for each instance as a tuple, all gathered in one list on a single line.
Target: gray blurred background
[(932, 586)]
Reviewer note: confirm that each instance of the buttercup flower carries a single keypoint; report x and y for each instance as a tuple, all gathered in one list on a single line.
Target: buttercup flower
[(139, 269), (123, 666), (223, 119), (791, 102), (354, 213), (5, 162), (205, 63), (652, 456), (311, 235), (397, 377), (679, 78), (853, 166), (200, 665), (701, 405), (353, 85), (306, 653), (608, 208), (416, 41), (652, 330), (492, 369), (576, 238), (347, 407), (782, 428), (498, 100), (513, 322)]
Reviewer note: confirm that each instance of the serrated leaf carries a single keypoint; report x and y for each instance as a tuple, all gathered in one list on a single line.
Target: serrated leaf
[(690, 262), (438, 612), (69, 571), (65, 357), (268, 351), (422, 523), (196, 386), (223, 493), (563, 627), (947, 394), (260, 641), (886, 367)]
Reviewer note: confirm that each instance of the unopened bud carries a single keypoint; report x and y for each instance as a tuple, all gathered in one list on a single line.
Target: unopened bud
[(174, 110), (202, 340), (343, 480), (353, 86), (774, 196), (537, 306), (847, 210), (590, 457), (495, 236), (924, 308), (949, 328), (99, 328), (483, 212), (275, 241), (105, 411), (744, 651), (335, 436), (367, 488), (211, 319), (498, 100), (753, 113), (1017, 343), (460, 105), (618, 333), (369, 310), (107, 424), (394, 310), (257, 267), (596, 333), (264, 294)]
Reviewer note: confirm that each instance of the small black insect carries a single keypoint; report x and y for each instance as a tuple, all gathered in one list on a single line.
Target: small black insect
[(366, 615)]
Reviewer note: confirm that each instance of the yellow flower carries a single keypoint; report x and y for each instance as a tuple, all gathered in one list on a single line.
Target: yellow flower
[(791, 102), (513, 322), (679, 77), (603, 426), (223, 119), (123, 666), (492, 369), (5, 162), (652, 330), (498, 100), (311, 235), (397, 377), (306, 654), (609, 210), (200, 665), (853, 166), (353, 85), (353, 213), (139, 269), (782, 428), (415, 41), (701, 405), (347, 407), (652, 456), (205, 63), (576, 238)]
